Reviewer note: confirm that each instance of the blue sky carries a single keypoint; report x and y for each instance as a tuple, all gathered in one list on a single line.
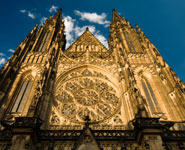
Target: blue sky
[(163, 22)]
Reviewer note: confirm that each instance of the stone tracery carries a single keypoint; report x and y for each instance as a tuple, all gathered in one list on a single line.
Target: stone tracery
[(86, 92)]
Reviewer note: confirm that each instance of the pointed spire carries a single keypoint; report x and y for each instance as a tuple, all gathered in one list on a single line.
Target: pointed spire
[(58, 15), (115, 16)]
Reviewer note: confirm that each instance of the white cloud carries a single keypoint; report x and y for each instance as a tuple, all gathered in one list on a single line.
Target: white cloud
[(2, 54), (42, 20), (69, 28), (93, 17), (31, 15), (53, 9), (2, 61), (102, 39), (74, 31), (22, 11), (11, 50)]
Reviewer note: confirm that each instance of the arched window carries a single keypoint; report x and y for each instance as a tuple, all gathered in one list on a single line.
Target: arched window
[(22, 94), (150, 96), (42, 43), (129, 42)]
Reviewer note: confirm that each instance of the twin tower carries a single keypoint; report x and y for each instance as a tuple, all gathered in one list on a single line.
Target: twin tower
[(87, 96)]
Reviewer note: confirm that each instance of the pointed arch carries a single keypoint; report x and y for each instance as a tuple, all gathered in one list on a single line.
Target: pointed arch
[(87, 90), (150, 95), (42, 43), (22, 91), (148, 88), (129, 42), (104, 71)]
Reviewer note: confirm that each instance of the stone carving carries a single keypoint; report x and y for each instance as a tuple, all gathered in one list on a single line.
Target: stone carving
[(86, 92), (79, 97)]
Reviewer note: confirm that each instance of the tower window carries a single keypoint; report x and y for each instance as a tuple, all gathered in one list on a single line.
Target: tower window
[(129, 42), (42, 43), (150, 96), (22, 96)]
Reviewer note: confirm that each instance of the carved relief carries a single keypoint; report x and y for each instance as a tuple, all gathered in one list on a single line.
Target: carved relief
[(84, 96), (67, 63), (86, 92)]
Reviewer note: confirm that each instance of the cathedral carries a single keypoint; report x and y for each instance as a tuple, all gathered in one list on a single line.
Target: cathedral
[(125, 97)]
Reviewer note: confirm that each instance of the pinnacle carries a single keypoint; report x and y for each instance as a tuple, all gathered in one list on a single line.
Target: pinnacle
[(138, 28), (58, 14), (115, 15), (117, 18)]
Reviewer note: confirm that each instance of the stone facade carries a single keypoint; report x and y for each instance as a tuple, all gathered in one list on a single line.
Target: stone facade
[(90, 97)]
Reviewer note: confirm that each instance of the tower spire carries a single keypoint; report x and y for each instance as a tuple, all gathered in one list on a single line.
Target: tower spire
[(117, 18), (58, 15), (115, 15)]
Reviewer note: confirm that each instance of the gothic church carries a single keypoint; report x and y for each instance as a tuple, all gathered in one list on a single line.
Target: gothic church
[(87, 96)]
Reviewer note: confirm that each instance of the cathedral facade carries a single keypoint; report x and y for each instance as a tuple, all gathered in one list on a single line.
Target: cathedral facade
[(90, 97)]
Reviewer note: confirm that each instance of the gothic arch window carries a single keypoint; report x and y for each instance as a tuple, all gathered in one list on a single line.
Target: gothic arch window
[(150, 96), (42, 43), (129, 42), (22, 94)]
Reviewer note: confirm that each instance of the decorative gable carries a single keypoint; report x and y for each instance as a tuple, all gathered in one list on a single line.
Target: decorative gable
[(87, 41)]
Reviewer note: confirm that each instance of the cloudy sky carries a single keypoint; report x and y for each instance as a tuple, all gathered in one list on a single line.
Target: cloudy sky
[(163, 22)]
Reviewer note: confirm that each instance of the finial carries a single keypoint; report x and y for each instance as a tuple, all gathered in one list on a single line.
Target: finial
[(87, 28), (36, 26), (113, 9), (115, 16), (138, 28)]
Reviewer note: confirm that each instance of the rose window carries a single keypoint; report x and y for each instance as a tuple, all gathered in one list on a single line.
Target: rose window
[(85, 95)]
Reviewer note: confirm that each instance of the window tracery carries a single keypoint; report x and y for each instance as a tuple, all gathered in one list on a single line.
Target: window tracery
[(42, 43), (86, 93), (130, 42), (23, 93), (150, 96)]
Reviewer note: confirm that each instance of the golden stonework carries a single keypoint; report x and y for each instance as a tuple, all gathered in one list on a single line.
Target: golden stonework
[(124, 97), (86, 93)]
